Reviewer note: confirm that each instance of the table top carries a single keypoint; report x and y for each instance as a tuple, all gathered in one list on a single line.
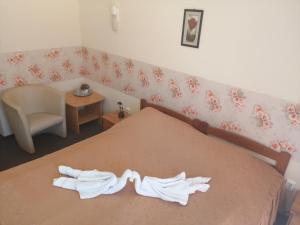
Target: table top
[(76, 101), (113, 117)]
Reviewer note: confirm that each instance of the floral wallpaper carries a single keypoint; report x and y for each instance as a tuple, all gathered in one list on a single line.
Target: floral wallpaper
[(270, 121), (50, 65)]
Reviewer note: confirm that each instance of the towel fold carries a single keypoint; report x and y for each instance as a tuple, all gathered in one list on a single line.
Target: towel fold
[(92, 183), (174, 189)]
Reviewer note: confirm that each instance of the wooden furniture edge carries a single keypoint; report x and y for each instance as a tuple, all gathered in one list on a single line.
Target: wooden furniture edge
[(167, 111), (281, 158), (77, 101)]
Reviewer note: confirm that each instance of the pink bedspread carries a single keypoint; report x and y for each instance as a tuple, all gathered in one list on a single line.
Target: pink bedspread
[(244, 190)]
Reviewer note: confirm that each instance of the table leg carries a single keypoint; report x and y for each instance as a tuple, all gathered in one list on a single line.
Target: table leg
[(72, 119)]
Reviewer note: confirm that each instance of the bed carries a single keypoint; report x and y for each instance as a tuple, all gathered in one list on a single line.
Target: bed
[(156, 142)]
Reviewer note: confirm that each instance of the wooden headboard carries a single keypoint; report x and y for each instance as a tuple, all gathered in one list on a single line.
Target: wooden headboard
[(281, 158)]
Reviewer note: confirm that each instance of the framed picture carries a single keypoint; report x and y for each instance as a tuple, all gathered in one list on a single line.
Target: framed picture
[(191, 29)]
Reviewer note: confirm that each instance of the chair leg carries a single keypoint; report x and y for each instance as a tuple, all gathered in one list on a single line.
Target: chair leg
[(25, 142)]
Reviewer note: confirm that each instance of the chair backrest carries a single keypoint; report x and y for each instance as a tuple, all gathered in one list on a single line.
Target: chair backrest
[(31, 98)]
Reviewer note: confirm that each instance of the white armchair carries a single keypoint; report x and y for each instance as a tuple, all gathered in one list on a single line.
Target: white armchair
[(33, 109)]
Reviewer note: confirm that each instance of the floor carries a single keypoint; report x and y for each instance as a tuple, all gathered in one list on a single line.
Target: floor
[(11, 155)]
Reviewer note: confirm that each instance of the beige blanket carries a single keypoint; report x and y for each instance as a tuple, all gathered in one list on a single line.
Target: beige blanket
[(244, 190)]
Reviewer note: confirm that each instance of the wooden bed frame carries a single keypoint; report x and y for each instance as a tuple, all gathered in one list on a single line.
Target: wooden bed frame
[(281, 158)]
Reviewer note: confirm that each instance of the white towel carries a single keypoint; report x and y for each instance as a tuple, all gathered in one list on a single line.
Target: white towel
[(93, 183), (174, 189), (90, 184)]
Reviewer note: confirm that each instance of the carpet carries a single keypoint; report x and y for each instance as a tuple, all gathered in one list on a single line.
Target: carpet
[(12, 155)]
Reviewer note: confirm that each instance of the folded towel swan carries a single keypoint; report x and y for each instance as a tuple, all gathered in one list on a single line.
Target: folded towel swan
[(92, 183)]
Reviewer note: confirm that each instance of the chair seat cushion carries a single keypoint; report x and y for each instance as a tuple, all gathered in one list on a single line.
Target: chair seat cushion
[(41, 121)]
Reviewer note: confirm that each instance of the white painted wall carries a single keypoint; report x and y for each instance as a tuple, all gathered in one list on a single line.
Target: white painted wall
[(253, 44), (38, 24)]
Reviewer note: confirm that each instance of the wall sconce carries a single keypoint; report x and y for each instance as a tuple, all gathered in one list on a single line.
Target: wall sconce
[(115, 16)]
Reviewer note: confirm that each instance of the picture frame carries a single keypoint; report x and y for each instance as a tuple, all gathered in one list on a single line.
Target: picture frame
[(191, 28)]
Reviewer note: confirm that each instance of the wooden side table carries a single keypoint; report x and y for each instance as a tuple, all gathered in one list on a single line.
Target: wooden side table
[(80, 110), (110, 119), (294, 218)]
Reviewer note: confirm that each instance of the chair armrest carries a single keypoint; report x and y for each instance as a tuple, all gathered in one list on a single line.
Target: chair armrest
[(16, 116)]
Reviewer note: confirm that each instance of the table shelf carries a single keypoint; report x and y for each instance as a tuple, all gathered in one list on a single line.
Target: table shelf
[(84, 117)]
